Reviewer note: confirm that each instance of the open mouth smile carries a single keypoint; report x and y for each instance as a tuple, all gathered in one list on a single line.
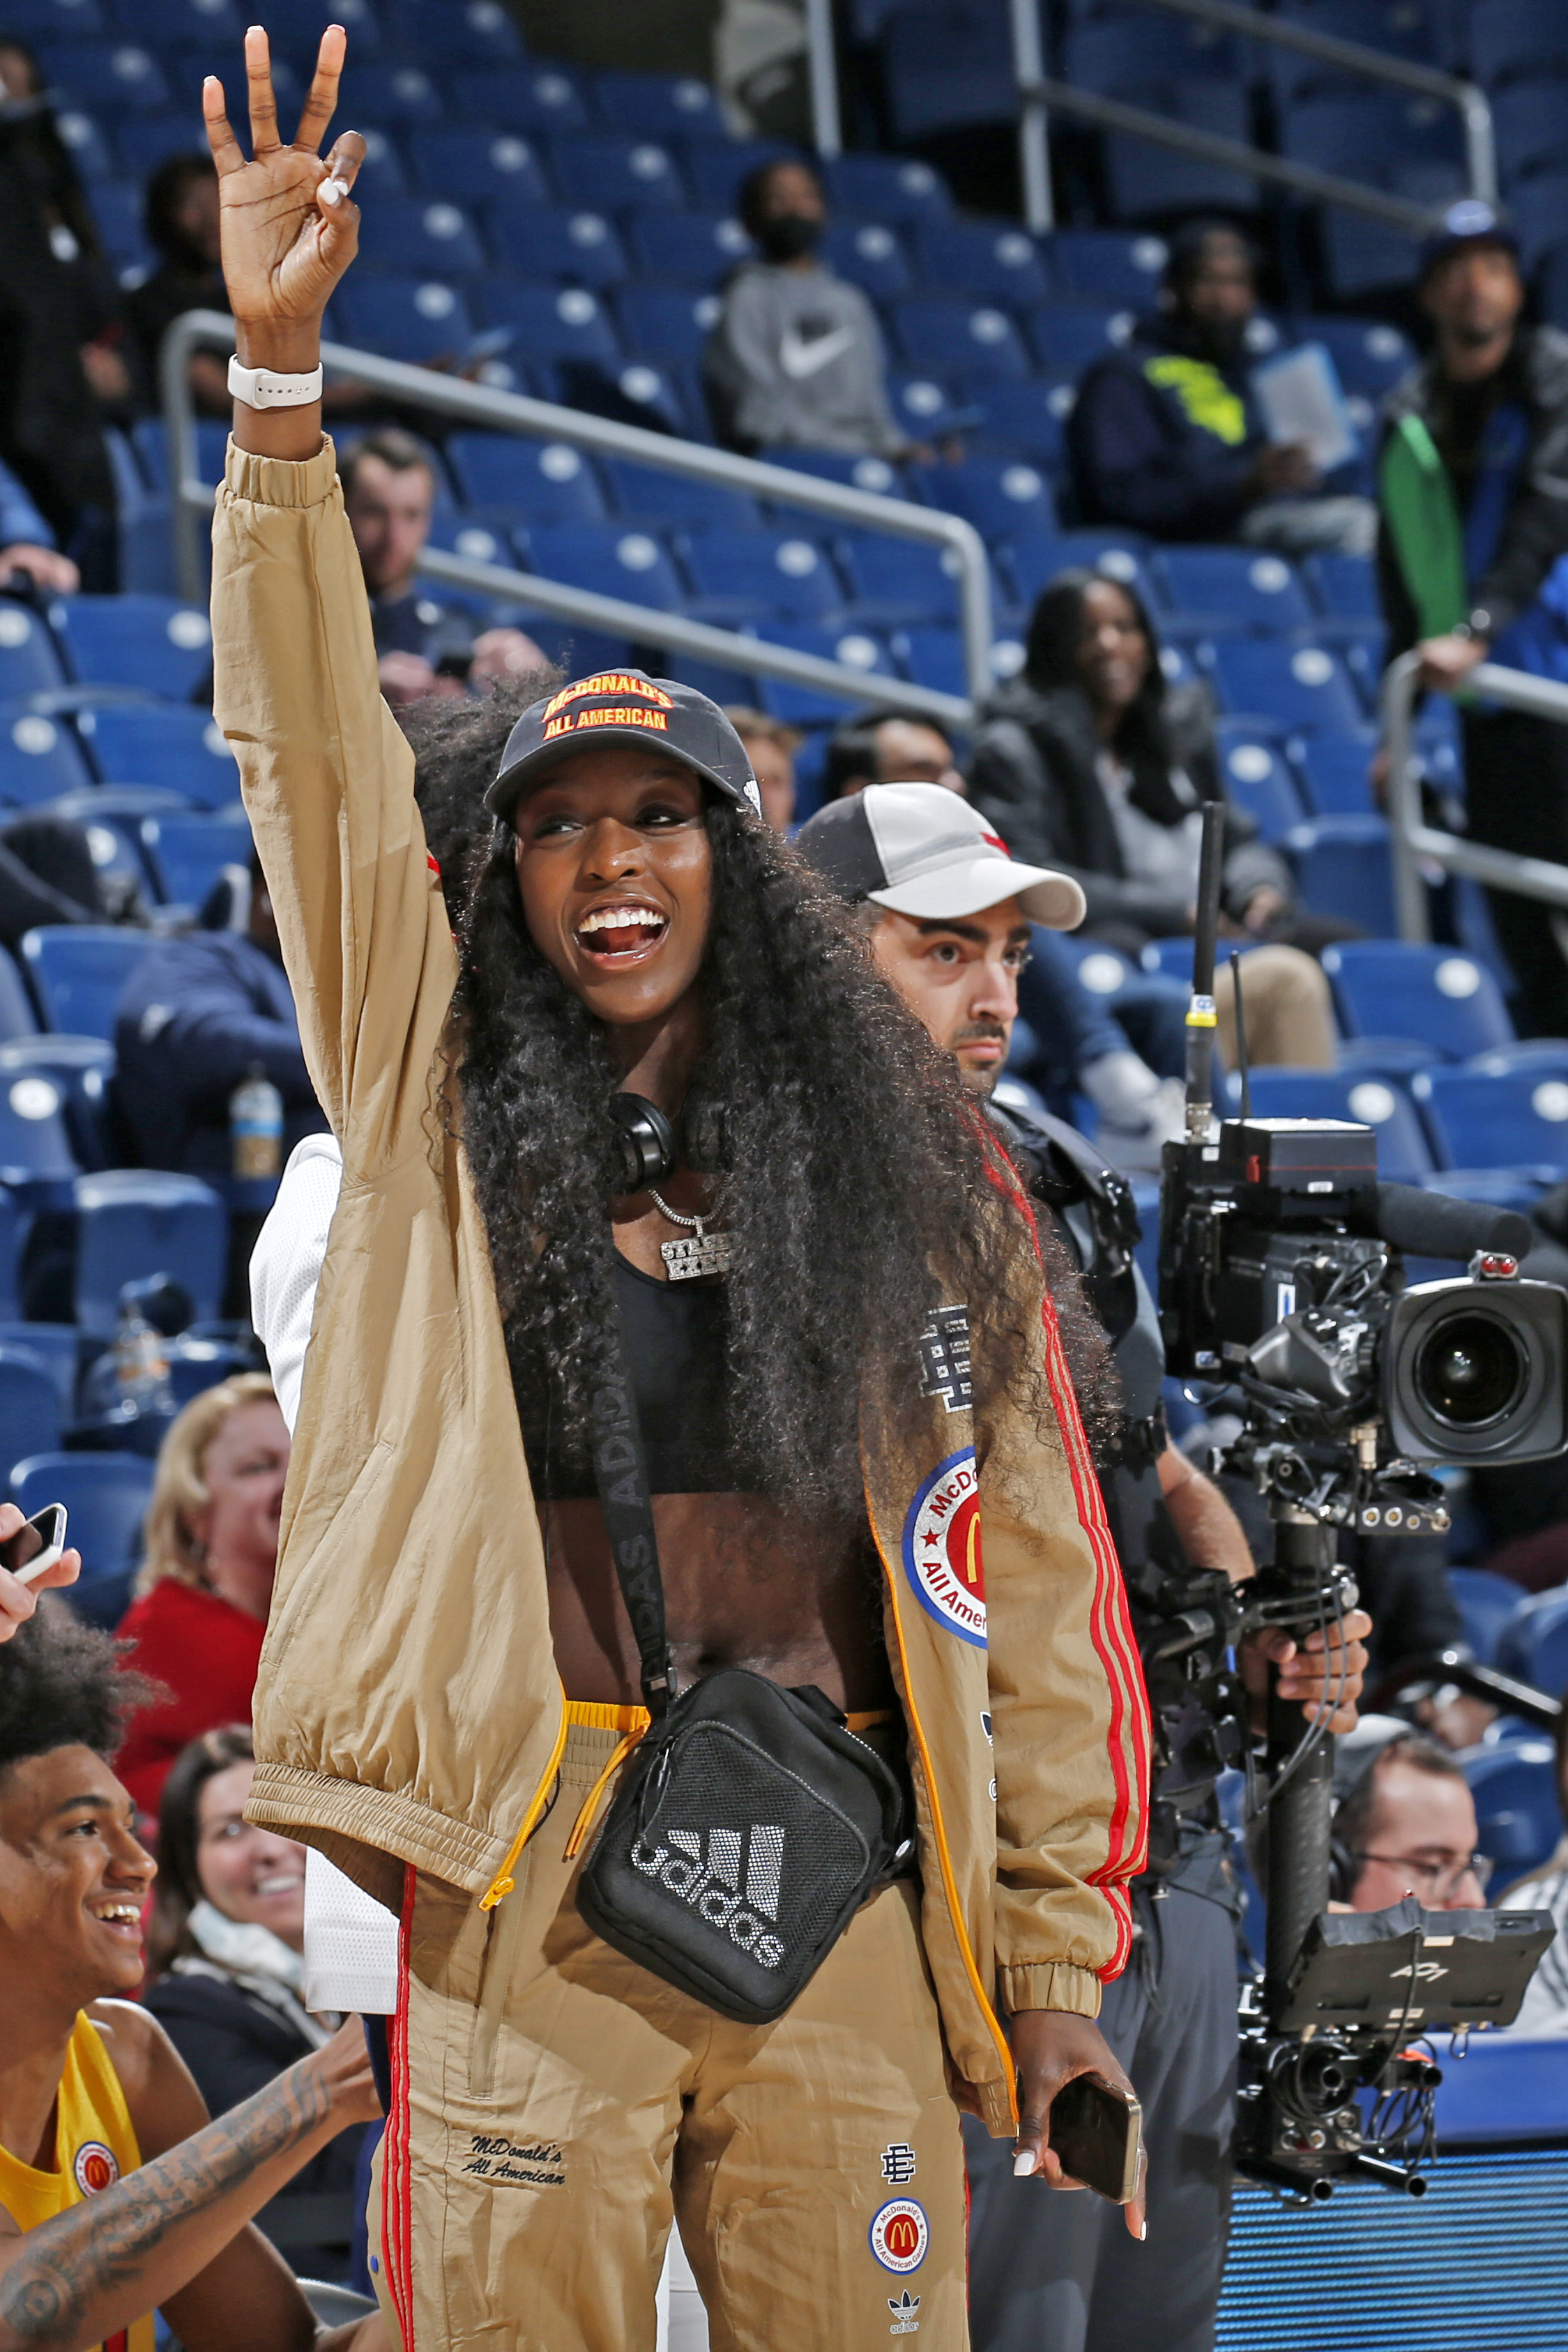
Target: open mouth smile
[(121, 1918), (620, 934)]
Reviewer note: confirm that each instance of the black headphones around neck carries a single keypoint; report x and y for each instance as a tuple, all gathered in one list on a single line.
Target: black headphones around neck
[(649, 1145)]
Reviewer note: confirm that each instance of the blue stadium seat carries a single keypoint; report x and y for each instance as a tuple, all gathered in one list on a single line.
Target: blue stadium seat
[(1346, 869), (1403, 1151), (753, 576), (404, 317), (486, 536), (1116, 54), (811, 706), (872, 256), (29, 663), (1004, 498), (1257, 778), (188, 853), (54, 1345), (1511, 39), (1532, 1643), (885, 187), (1363, 257), (555, 241), (1540, 210), (112, 816), (116, 209), (665, 399), (39, 757), (9, 1247), (467, 166), (1485, 1602), (87, 141), (1529, 123), (520, 98), (295, 28), (717, 168), (1288, 686), (1232, 588), (545, 481), (382, 173), (1370, 356), (81, 1071), (77, 971), (598, 168), (946, 68), (1332, 767), (164, 743), (1108, 264), (212, 447), (1145, 180), (17, 1018), (1446, 999), (608, 558), (955, 338), (37, 20), (35, 1141), (106, 74), (388, 94), (155, 643), (836, 466), (1393, 26), (1513, 1118), (1341, 132), (666, 322), (106, 1498), (479, 32), (135, 1222), (143, 142), (555, 322), (897, 583), (1035, 562), (1028, 419), (1067, 337), (665, 501), (405, 233), (981, 261), (698, 249), (658, 106), (1345, 587), (1514, 1786)]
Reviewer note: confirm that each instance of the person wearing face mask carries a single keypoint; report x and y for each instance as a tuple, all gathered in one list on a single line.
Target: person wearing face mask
[(197, 1623), (1167, 436), (224, 1949), (795, 359)]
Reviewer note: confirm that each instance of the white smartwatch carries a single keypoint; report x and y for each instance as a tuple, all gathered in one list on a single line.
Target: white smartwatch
[(261, 388)]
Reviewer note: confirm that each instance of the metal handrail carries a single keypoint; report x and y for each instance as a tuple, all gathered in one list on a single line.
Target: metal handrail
[(482, 406), (1304, 179), (1413, 840), (1374, 64), (822, 66)]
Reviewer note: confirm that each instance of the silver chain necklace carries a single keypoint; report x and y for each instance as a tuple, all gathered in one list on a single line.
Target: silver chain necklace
[(705, 1253)]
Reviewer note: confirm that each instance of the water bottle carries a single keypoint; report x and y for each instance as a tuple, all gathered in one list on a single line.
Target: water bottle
[(141, 1363), (255, 1126)]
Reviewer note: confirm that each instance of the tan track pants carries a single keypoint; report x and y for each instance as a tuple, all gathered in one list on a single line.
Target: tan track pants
[(553, 2103)]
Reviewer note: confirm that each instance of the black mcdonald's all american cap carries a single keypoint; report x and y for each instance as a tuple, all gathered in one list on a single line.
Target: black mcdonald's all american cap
[(625, 705)]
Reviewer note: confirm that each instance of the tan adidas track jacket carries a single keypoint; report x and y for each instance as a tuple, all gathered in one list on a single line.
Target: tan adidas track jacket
[(409, 1710)]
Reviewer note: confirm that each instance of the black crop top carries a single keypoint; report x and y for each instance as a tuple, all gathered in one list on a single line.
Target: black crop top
[(676, 1352)]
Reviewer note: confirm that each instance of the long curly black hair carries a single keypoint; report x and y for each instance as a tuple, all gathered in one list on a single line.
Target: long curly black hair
[(856, 1192)]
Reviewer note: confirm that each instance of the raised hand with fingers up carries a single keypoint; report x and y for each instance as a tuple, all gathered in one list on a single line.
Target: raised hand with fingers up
[(289, 229)]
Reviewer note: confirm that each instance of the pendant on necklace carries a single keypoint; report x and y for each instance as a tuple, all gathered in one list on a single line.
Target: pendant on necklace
[(697, 1254)]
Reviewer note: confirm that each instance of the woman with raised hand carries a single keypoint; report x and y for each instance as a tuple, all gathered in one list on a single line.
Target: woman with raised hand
[(649, 1152)]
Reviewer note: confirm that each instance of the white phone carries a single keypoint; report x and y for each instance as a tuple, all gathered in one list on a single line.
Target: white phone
[(36, 1544)]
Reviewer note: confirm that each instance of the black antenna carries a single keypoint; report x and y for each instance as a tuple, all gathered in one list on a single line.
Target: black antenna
[(1200, 1015), (1242, 1037)]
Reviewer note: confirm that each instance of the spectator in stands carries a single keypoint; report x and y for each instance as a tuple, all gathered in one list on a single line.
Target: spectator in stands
[(1166, 435), (117, 2196), (195, 1017), (425, 647), (1471, 560), (796, 359), (770, 747), (205, 1584), (180, 215), (225, 1946), (1403, 1823), (28, 556), (1545, 2005), (1089, 762), (888, 747)]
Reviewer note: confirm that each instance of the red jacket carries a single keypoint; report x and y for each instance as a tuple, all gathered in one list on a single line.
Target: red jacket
[(206, 1651)]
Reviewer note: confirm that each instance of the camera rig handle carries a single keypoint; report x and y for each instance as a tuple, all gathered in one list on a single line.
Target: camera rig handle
[(1200, 1013), (1300, 1769)]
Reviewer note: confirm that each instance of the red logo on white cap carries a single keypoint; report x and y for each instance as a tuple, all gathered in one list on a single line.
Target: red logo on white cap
[(996, 842)]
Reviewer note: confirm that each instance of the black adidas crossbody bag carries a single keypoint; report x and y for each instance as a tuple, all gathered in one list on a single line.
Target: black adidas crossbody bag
[(750, 1824)]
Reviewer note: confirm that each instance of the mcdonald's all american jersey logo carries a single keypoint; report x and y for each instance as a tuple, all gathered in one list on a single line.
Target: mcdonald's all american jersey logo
[(95, 2168), (942, 1548), (900, 2235)]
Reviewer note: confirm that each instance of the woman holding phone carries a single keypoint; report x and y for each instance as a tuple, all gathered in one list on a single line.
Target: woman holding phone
[(789, 1255)]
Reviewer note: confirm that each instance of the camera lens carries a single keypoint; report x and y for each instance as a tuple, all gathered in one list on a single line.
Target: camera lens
[(1470, 1369)]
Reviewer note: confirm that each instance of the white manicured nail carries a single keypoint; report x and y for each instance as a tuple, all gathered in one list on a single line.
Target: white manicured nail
[(1023, 2164), (1142, 2229), (333, 192)]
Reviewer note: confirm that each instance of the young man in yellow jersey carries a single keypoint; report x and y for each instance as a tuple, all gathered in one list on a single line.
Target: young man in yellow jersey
[(117, 2196)]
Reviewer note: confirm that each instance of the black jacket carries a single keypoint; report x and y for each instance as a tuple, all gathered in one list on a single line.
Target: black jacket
[(1535, 533), (1162, 440), (1033, 775)]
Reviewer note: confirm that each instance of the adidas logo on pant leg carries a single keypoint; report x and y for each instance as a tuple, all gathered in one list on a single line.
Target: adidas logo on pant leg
[(709, 1878)]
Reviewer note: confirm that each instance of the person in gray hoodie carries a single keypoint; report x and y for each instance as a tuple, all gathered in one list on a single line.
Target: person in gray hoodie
[(796, 359)]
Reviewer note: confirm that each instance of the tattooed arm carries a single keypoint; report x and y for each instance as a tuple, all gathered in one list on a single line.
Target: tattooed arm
[(175, 2233)]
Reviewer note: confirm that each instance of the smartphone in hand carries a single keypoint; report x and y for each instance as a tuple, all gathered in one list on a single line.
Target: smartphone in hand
[(1097, 2132), (36, 1544)]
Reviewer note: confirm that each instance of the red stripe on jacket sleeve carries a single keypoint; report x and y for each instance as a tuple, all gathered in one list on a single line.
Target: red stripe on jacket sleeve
[(1129, 1739)]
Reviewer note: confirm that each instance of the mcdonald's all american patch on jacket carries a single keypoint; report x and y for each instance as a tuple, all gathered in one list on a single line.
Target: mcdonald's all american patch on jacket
[(900, 2235), (942, 1548)]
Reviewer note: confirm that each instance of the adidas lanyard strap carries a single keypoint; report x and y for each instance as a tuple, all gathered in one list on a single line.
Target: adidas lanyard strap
[(621, 1474)]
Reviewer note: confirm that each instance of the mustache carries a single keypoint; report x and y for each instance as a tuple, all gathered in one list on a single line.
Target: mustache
[(982, 1033)]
